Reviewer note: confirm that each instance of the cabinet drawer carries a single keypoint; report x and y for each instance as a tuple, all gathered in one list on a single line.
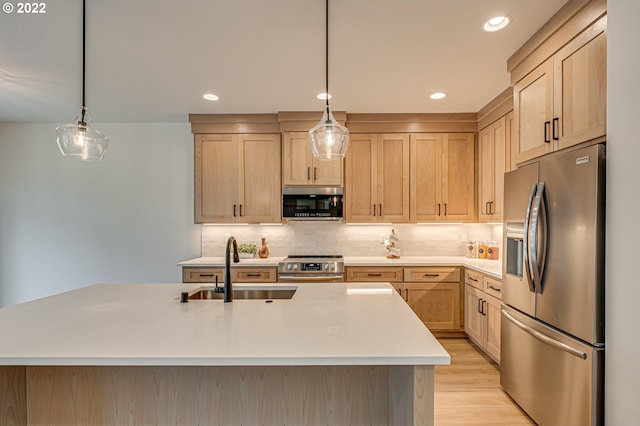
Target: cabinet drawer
[(366, 273), (432, 274), (493, 287), (254, 275), (474, 279), (202, 275)]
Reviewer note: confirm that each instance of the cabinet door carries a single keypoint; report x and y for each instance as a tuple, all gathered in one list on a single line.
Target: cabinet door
[(533, 108), (491, 168), (580, 87), (436, 304), (216, 182), (296, 159), (399, 287), (260, 188), (509, 160), (300, 168), (492, 319), (327, 173), (426, 177), (393, 177), (474, 323), (458, 181), (361, 175)]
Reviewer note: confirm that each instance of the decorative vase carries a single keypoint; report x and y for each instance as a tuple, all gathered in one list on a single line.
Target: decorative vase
[(263, 251)]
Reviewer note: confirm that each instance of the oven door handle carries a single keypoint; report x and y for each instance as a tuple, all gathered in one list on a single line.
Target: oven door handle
[(310, 277)]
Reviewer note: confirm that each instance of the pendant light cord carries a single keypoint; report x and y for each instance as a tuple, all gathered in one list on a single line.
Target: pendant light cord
[(326, 52), (84, 105)]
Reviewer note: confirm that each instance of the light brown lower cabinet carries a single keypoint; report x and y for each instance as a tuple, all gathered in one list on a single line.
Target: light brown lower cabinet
[(217, 395), (238, 274), (482, 312), (433, 293)]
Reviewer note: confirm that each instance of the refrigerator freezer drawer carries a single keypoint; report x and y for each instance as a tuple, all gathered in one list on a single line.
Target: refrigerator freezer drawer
[(553, 377)]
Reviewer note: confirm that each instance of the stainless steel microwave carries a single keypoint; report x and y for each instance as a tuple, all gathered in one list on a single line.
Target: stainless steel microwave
[(312, 203)]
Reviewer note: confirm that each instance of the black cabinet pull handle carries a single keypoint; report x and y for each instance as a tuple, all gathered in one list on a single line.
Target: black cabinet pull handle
[(479, 307), (431, 275), (253, 275), (240, 210), (406, 294), (556, 129), (206, 275), (445, 209), (308, 173), (438, 209), (374, 209), (234, 210), (380, 213), (495, 288), (547, 124), (484, 312), (315, 174), (473, 279), (374, 275), (491, 211)]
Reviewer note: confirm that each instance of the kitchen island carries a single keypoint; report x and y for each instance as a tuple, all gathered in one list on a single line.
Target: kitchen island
[(132, 354)]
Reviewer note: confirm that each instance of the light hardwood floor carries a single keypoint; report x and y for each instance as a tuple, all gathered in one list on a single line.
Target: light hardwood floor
[(468, 391)]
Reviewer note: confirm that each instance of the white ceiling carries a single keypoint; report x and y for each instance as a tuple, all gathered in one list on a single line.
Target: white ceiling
[(151, 60)]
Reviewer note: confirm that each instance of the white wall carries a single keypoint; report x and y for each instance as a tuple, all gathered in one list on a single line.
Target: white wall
[(66, 224), (622, 392)]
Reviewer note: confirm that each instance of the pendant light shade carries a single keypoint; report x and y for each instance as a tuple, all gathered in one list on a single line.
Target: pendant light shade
[(80, 139), (329, 139)]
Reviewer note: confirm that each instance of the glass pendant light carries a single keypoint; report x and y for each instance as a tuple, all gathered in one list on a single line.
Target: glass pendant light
[(329, 140), (80, 139)]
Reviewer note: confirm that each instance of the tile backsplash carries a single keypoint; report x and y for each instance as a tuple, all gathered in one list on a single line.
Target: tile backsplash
[(350, 240)]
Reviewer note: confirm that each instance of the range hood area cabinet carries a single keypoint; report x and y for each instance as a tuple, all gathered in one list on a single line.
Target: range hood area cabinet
[(562, 102), (300, 168), (237, 178), (377, 178)]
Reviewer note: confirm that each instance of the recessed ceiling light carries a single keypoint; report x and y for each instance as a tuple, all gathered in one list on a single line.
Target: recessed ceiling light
[(324, 96), (210, 97), (438, 95), (496, 23)]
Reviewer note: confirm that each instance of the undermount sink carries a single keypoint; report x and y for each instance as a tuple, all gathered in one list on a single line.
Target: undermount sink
[(240, 293)]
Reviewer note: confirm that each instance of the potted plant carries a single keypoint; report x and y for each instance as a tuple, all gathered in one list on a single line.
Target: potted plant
[(247, 251)]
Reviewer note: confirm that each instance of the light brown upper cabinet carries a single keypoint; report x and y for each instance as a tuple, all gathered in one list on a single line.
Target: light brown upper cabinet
[(442, 177), (563, 101), (377, 178), (492, 163), (300, 168), (237, 178)]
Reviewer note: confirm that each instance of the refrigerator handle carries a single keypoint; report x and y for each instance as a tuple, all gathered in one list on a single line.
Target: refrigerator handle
[(537, 268), (525, 240), (546, 339)]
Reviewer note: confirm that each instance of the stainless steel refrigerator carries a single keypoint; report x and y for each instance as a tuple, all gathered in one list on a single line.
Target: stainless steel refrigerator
[(552, 323)]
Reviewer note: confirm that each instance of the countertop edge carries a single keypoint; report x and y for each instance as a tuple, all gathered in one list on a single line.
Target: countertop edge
[(223, 362)]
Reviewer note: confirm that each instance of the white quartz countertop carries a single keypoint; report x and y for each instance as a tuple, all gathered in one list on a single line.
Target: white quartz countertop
[(144, 324), (489, 267)]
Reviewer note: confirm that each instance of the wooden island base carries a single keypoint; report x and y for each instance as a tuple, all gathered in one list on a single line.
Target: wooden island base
[(289, 395)]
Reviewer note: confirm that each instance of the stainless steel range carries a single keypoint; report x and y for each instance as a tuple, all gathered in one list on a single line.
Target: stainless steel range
[(311, 268)]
